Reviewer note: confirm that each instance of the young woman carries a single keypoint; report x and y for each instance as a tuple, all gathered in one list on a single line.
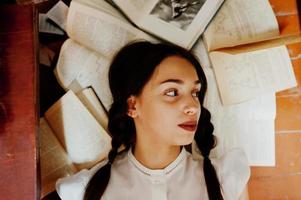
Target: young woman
[(158, 92)]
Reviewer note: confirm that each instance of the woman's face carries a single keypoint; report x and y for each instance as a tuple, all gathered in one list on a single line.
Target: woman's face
[(168, 109)]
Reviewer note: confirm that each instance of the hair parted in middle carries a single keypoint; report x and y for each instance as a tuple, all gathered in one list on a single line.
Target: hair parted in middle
[(131, 68)]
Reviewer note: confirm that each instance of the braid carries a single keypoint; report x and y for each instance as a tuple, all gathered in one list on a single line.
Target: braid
[(130, 69), (119, 126), (96, 188), (205, 141)]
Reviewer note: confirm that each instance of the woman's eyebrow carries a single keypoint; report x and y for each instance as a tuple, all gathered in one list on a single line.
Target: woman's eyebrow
[(179, 81)]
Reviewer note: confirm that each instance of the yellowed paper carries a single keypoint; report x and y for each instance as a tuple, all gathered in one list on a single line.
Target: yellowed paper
[(90, 100), (248, 125), (241, 77), (88, 68), (83, 138), (241, 22), (54, 160), (99, 30)]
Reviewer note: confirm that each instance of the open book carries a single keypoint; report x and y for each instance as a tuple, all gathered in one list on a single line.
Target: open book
[(97, 31), (100, 27), (73, 136), (246, 52), (179, 22), (248, 125), (77, 64)]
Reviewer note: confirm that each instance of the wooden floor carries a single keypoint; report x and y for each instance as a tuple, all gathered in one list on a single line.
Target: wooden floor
[(283, 182)]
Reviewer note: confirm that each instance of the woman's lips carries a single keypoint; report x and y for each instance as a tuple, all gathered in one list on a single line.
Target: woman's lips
[(189, 126)]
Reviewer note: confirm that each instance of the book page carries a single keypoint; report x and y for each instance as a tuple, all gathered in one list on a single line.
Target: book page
[(103, 6), (58, 14), (91, 101), (99, 31), (270, 43), (261, 107), (255, 136), (240, 22), (259, 142), (86, 67), (235, 125), (83, 138), (179, 22), (241, 77), (54, 161), (134, 9), (47, 27), (201, 52)]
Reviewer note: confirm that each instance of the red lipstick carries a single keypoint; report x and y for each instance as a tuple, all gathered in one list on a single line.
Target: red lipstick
[(189, 125)]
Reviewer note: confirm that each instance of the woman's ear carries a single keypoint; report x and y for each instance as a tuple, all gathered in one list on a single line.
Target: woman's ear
[(131, 101)]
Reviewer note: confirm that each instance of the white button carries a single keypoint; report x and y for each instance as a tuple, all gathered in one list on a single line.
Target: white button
[(157, 181)]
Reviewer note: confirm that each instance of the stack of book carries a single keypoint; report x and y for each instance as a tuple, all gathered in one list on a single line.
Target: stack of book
[(243, 56)]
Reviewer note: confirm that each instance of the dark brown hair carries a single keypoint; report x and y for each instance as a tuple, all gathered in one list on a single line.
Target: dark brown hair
[(130, 70)]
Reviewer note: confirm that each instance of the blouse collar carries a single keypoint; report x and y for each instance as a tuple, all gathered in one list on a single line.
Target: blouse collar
[(156, 172)]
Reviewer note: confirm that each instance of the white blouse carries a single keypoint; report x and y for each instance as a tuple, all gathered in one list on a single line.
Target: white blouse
[(182, 179)]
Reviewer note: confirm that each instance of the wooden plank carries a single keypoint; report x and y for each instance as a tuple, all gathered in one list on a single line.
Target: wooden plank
[(18, 103), (287, 16), (284, 180)]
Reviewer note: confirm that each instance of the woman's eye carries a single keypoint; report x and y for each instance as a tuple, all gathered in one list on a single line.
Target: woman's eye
[(172, 93)]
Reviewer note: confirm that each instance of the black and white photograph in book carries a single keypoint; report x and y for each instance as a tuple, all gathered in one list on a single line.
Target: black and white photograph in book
[(177, 12)]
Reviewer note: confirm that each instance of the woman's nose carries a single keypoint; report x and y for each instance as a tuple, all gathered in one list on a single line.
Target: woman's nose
[(192, 106), (191, 109)]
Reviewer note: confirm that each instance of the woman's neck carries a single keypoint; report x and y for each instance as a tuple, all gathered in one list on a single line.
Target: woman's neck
[(156, 157)]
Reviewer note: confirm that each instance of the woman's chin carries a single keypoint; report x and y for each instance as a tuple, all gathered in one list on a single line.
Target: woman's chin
[(187, 140)]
